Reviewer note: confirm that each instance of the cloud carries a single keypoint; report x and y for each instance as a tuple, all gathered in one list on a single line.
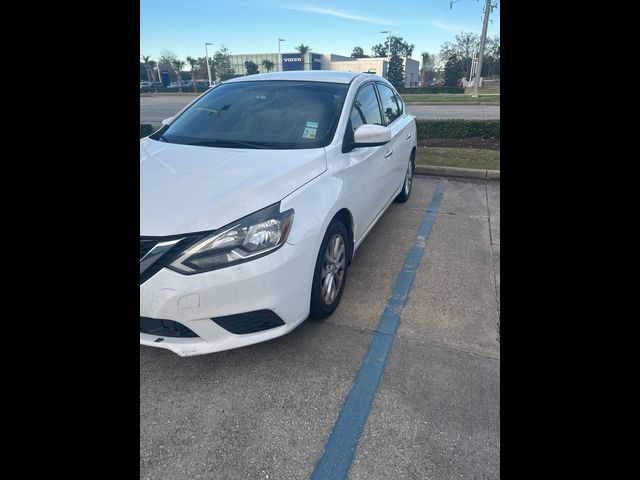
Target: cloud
[(454, 27), (339, 14)]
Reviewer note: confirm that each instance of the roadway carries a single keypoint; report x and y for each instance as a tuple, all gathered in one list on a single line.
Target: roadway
[(155, 108)]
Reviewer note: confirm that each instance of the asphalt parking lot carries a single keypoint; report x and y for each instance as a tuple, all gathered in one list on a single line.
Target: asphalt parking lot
[(267, 410)]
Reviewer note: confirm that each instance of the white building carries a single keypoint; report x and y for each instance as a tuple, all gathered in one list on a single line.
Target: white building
[(375, 65), (325, 61)]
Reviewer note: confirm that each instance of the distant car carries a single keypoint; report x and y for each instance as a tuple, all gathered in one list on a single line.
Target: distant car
[(254, 198), (146, 87)]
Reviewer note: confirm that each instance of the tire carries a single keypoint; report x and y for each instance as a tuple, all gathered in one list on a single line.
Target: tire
[(325, 300), (404, 194)]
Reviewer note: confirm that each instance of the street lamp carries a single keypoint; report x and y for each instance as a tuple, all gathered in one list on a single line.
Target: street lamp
[(389, 32), (280, 54), (206, 56)]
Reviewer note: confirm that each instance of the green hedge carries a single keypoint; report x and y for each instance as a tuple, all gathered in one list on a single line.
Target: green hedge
[(431, 90), (146, 130), (427, 129), (458, 129)]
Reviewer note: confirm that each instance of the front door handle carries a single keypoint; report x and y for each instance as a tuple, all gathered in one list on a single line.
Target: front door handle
[(408, 137), (388, 153)]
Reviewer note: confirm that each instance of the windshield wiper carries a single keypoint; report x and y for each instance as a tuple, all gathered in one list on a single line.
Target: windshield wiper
[(231, 144)]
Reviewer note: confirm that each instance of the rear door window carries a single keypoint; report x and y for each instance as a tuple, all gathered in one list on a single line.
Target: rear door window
[(391, 104)]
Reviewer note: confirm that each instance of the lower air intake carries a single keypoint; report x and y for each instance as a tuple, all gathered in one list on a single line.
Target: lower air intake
[(251, 322), (165, 328)]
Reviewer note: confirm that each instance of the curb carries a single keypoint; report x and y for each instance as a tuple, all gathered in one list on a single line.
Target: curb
[(457, 172)]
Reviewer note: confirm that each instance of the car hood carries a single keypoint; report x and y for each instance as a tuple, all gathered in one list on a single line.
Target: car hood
[(187, 189)]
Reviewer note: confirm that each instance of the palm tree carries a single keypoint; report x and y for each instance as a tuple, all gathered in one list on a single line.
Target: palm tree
[(268, 65), (194, 63), (303, 49), (177, 66), (152, 67), (145, 61)]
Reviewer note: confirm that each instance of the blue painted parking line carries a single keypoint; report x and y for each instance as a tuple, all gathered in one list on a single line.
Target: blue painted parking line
[(343, 440)]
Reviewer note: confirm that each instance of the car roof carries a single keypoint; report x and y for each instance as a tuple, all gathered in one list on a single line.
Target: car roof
[(302, 75)]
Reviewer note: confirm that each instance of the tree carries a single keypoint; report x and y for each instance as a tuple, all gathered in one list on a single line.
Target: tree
[(145, 61), (490, 63), (395, 73), (466, 45), (152, 67), (491, 60), (358, 53), (428, 67), (268, 65), (195, 66), (453, 71), (143, 72), (177, 66), (167, 57), (222, 63), (398, 47), (251, 67), (303, 49)]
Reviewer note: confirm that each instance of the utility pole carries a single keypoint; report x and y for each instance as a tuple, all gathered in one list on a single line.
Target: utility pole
[(483, 40)]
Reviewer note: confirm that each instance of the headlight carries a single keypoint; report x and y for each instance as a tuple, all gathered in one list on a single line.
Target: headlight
[(249, 237)]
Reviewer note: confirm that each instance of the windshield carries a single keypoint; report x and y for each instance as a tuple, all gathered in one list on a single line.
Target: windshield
[(260, 114)]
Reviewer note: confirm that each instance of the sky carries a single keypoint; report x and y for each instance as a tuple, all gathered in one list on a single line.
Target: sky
[(328, 26)]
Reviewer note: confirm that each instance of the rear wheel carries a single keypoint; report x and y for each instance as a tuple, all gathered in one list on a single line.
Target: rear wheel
[(330, 274), (403, 196)]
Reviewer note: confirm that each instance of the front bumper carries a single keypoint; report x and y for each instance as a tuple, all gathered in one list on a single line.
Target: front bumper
[(280, 282)]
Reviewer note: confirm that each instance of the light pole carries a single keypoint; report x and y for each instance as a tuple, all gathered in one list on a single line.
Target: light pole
[(388, 61), (206, 56), (389, 32), (280, 54)]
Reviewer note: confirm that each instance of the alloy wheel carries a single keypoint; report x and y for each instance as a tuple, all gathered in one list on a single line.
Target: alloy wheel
[(333, 268)]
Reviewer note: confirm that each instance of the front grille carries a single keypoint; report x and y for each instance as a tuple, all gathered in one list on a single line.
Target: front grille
[(165, 328), (145, 246), (163, 254), (250, 322)]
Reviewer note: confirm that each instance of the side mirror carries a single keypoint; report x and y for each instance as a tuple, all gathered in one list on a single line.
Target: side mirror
[(371, 136), (166, 121)]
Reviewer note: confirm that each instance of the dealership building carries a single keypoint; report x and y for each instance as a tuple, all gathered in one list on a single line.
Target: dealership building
[(324, 61)]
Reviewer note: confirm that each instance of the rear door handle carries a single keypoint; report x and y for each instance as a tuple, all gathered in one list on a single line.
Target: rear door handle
[(408, 137), (388, 153)]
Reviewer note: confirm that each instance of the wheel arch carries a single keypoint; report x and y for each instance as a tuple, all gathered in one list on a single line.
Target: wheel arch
[(345, 216)]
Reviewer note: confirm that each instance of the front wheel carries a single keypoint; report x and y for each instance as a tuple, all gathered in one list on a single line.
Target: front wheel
[(403, 196), (330, 274)]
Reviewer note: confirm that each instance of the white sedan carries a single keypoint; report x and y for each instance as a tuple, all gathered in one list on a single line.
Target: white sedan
[(254, 199)]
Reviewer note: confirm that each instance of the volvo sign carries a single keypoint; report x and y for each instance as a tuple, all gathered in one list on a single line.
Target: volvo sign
[(292, 61), (316, 61)]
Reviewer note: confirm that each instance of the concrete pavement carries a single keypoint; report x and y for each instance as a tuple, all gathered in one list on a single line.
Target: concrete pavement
[(155, 108), (266, 411)]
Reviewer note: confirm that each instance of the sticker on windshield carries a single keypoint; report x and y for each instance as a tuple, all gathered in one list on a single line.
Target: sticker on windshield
[(312, 124), (309, 132)]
